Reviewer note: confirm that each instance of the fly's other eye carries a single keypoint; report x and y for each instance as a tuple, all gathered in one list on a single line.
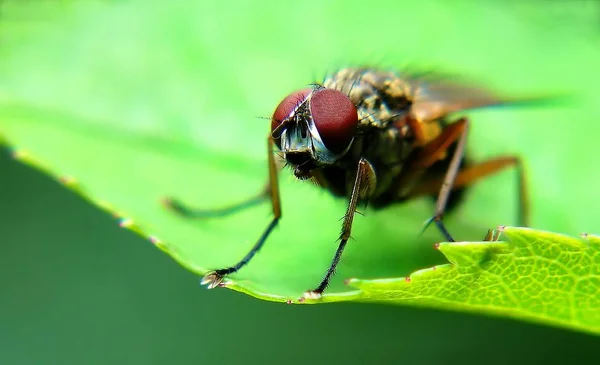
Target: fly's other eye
[(335, 118), (288, 104)]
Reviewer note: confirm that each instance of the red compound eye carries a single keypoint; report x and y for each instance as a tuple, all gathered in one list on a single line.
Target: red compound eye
[(288, 104), (335, 118)]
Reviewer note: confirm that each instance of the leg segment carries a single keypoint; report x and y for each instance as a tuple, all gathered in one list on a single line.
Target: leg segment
[(492, 235), (186, 211), (472, 174), (462, 129), (193, 213), (363, 186), (424, 157), (215, 277)]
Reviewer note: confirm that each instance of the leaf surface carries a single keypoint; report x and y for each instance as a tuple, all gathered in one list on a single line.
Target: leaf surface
[(127, 102)]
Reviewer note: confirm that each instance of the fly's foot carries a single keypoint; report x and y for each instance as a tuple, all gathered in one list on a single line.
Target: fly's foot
[(311, 294), (213, 279), (437, 219), (166, 202), (493, 235), (175, 206)]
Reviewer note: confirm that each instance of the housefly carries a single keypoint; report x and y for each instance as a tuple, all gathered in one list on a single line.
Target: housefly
[(376, 137)]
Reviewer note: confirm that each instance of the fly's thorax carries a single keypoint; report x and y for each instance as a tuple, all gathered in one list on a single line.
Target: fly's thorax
[(314, 127), (380, 96)]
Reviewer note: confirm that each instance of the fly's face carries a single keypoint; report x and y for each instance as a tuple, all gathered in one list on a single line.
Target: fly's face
[(314, 127)]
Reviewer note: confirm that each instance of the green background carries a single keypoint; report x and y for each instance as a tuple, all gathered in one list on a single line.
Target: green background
[(76, 288)]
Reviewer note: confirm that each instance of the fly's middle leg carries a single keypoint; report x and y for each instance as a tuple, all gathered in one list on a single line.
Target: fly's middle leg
[(186, 211)]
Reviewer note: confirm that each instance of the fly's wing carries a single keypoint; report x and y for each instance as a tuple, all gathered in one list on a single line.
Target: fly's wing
[(434, 99), (436, 96)]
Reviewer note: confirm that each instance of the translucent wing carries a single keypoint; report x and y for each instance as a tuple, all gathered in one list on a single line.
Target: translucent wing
[(436, 95)]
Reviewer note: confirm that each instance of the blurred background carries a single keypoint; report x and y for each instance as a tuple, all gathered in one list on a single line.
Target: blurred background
[(75, 288)]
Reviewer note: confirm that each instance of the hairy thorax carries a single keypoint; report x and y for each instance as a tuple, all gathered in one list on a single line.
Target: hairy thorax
[(384, 136)]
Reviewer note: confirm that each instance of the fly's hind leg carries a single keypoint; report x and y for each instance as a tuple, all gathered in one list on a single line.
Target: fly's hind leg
[(271, 192), (420, 162), (455, 177), (460, 130), (471, 174)]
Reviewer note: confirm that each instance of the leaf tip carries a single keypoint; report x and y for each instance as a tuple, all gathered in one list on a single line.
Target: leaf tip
[(154, 240), (469, 254), (21, 154), (427, 272), (67, 180), (592, 240), (125, 222), (351, 281)]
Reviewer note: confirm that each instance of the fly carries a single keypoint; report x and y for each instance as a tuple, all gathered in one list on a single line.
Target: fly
[(375, 137)]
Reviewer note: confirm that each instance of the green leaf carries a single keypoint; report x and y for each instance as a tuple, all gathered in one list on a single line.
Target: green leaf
[(129, 101), (536, 275)]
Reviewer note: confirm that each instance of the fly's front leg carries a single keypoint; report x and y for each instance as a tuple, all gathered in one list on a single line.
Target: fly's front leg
[(364, 184), (215, 277)]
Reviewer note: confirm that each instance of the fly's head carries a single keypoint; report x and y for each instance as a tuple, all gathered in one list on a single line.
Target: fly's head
[(314, 127)]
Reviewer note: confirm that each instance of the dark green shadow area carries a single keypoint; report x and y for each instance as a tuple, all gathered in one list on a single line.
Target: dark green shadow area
[(77, 289)]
